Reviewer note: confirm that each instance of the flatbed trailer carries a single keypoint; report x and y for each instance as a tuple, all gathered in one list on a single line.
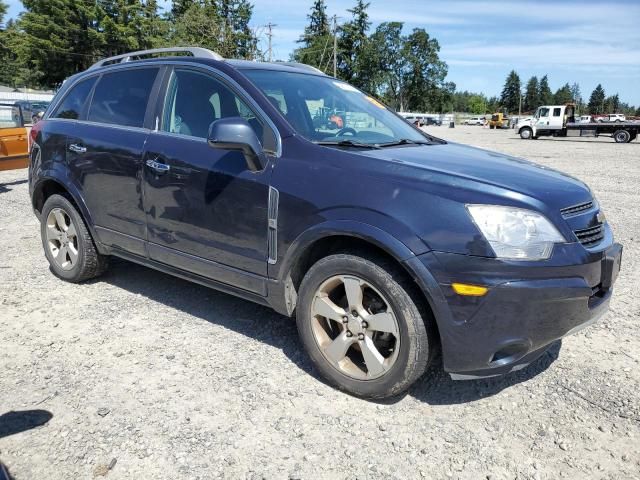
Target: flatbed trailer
[(558, 121)]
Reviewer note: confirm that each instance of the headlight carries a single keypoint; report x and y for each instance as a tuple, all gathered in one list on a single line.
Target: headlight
[(516, 233)]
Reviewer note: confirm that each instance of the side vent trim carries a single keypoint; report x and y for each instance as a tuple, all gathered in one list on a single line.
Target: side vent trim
[(272, 232)]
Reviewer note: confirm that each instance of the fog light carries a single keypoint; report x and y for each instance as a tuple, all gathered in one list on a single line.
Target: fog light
[(469, 290)]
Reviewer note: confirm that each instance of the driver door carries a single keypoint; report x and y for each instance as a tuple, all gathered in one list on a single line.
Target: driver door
[(206, 211)]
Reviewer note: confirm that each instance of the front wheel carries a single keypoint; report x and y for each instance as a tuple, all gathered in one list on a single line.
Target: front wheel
[(526, 133), (361, 326)]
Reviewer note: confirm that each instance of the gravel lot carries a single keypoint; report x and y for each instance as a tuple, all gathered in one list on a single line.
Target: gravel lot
[(147, 376)]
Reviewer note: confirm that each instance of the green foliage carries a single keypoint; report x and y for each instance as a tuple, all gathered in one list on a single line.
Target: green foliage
[(596, 101), (221, 25), (563, 95), (3, 11), (544, 92), (352, 45), (470, 102), (612, 104), (510, 97), (531, 95), (317, 39)]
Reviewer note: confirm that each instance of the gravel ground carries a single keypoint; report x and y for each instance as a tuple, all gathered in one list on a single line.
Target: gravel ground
[(147, 376)]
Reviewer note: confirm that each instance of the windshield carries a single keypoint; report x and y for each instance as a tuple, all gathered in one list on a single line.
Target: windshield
[(326, 110)]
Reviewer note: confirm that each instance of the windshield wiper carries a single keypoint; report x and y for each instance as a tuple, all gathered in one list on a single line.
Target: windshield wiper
[(348, 143), (404, 141)]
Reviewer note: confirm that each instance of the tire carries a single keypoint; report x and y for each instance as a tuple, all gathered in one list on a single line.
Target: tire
[(633, 137), (408, 345), (621, 136), (81, 260), (526, 133), (491, 127)]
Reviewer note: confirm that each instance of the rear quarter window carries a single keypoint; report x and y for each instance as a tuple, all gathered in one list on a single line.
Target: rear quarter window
[(74, 100), (120, 98)]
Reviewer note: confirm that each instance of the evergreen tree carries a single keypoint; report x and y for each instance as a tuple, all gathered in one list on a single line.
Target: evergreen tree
[(4, 8), (563, 95), (531, 96), (352, 44), (60, 38), (180, 7), (544, 92), (596, 101), (612, 104), (317, 39), (510, 97), (220, 25), (318, 24)]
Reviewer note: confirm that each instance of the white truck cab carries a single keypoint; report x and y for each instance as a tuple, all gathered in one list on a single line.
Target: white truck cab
[(548, 120)]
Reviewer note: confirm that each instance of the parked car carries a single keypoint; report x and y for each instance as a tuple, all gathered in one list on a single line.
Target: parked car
[(30, 109), (475, 121), (385, 243), (14, 146), (613, 117)]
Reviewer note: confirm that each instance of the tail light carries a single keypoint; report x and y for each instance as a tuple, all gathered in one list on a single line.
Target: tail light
[(35, 129)]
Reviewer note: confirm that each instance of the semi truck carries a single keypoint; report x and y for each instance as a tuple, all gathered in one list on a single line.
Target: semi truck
[(560, 121)]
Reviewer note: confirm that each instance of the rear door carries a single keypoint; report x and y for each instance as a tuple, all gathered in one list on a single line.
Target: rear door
[(104, 154), (556, 119)]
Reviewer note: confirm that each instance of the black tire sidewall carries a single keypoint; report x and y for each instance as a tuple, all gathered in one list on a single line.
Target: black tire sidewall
[(626, 135), (410, 324), (58, 201)]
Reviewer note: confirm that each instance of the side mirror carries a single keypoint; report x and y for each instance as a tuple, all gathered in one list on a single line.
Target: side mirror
[(235, 133)]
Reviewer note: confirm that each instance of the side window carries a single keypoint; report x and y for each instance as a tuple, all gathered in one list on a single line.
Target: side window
[(71, 106), (556, 112), (195, 100), (120, 98), (544, 112)]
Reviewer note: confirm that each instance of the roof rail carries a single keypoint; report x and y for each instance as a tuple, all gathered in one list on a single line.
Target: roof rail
[(127, 57), (302, 66)]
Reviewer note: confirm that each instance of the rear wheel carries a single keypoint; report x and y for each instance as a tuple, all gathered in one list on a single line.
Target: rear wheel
[(361, 327), (67, 243), (526, 133), (622, 136)]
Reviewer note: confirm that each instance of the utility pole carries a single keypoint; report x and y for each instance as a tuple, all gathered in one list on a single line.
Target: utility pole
[(269, 35), (335, 46)]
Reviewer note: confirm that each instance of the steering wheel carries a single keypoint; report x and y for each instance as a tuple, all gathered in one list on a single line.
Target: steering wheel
[(344, 130)]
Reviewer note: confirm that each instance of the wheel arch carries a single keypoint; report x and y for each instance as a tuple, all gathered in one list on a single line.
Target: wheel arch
[(51, 184), (323, 240)]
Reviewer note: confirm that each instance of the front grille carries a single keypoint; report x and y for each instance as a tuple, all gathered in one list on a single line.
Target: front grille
[(575, 209), (590, 237)]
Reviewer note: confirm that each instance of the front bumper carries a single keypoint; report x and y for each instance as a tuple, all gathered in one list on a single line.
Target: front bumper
[(529, 305)]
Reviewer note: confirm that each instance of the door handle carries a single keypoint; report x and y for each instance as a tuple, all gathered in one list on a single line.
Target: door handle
[(158, 167), (74, 147)]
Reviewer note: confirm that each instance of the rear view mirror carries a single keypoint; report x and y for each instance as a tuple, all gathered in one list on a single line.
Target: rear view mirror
[(235, 133)]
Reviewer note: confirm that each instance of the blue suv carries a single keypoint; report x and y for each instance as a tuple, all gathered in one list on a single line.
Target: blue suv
[(293, 189)]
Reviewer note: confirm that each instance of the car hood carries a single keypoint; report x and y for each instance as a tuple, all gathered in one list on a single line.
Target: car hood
[(456, 161)]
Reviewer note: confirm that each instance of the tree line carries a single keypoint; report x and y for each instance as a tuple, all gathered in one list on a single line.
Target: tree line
[(53, 40), (537, 92)]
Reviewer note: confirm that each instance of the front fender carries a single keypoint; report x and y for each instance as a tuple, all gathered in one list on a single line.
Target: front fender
[(349, 228)]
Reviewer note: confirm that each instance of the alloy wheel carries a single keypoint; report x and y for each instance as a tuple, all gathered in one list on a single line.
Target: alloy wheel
[(355, 327), (62, 239)]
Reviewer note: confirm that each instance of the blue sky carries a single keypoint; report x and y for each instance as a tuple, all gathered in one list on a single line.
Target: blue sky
[(588, 41)]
